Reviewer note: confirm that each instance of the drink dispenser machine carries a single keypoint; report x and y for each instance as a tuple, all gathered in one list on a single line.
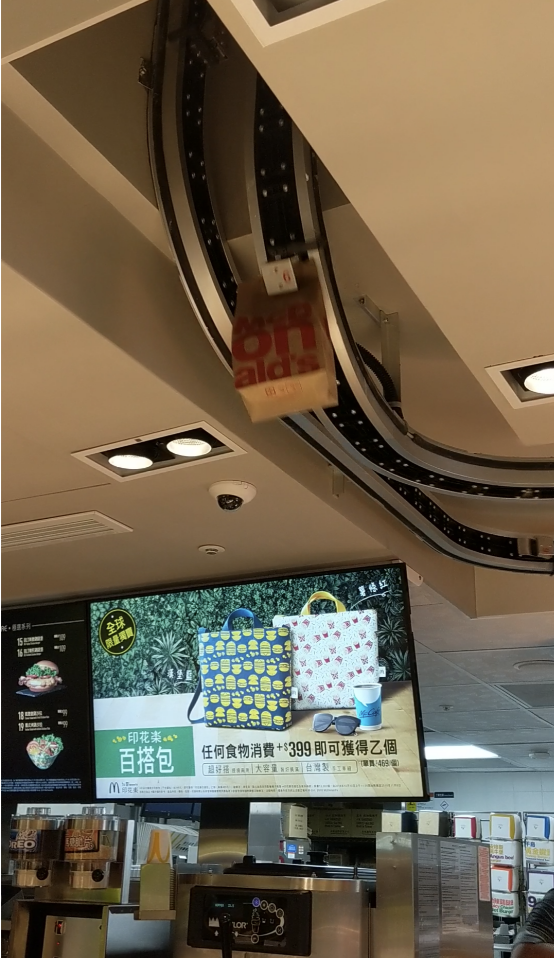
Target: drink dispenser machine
[(90, 847), (35, 844)]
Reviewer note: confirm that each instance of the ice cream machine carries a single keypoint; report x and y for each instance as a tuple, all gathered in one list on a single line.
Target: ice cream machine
[(279, 910), (427, 893)]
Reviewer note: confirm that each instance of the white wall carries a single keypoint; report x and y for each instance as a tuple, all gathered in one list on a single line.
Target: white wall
[(494, 791)]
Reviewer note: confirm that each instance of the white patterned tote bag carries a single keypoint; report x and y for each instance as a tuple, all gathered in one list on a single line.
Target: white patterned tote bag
[(330, 652)]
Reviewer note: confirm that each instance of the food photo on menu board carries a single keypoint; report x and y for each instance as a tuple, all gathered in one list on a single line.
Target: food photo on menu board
[(46, 727), (292, 687)]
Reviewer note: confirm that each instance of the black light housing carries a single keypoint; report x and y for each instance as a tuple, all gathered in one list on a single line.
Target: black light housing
[(537, 379), (152, 454)]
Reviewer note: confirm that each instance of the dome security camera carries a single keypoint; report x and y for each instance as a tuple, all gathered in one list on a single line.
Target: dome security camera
[(231, 494)]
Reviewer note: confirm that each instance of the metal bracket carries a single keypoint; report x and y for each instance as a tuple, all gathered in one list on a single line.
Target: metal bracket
[(389, 327), (338, 482), (145, 74), (279, 278), (293, 249), (540, 547)]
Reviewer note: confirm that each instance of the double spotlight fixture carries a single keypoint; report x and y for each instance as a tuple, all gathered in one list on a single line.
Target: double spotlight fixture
[(144, 455), (170, 449)]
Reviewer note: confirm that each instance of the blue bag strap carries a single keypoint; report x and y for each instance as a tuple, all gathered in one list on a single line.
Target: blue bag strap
[(242, 614), (196, 695)]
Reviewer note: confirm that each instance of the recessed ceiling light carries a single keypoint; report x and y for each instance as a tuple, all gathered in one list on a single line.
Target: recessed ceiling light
[(541, 380), (129, 461), (539, 753), (211, 550), (183, 447), (534, 665), (437, 752), (189, 447), (526, 381)]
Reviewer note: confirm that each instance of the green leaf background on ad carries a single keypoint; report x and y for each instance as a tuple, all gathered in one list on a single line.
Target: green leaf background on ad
[(166, 646)]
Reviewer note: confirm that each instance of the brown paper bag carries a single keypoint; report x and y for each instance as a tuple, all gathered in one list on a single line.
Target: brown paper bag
[(283, 360)]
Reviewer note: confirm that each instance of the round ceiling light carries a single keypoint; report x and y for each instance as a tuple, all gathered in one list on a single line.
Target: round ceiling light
[(535, 665), (189, 447), (129, 461), (541, 381)]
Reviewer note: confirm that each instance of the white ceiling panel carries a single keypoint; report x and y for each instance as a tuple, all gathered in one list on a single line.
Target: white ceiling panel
[(469, 765), (461, 722), (519, 736), (500, 665), (442, 628), (423, 595), (462, 698), (546, 714), (433, 670), (520, 755)]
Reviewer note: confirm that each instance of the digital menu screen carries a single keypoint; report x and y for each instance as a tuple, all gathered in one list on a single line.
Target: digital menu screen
[(46, 706), (284, 688)]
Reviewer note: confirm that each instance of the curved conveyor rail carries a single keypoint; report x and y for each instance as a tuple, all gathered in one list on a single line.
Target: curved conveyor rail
[(372, 452)]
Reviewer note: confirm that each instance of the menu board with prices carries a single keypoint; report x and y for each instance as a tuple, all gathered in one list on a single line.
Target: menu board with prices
[(46, 703)]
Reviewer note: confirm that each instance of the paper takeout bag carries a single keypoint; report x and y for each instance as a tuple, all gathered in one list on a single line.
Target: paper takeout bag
[(283, 360)]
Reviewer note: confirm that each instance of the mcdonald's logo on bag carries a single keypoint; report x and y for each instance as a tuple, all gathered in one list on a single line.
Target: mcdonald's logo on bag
[(283, 359)]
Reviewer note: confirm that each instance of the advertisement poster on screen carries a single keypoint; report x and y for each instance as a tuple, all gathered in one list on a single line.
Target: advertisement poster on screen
[(300, 687)]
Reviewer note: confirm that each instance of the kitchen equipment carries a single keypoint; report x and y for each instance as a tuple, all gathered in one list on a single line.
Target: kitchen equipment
[(277, 909), (90, 846), (85, 930), (35, 843)]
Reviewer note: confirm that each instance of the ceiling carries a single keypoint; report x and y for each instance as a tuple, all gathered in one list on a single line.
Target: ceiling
[(171, 514), (101, 345), (487, 682), (432, 122)]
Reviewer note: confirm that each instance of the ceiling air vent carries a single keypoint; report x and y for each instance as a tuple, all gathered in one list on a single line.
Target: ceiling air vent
[(45, 532)]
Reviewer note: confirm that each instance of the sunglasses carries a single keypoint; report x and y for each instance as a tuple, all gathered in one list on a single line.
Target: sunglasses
[(344, 724)]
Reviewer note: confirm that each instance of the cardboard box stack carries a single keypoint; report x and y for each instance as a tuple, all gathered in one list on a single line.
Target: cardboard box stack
[(539, 857), (506, 858)]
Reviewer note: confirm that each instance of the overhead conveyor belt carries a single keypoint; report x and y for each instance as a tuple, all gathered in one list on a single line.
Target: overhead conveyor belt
[(363, 436)]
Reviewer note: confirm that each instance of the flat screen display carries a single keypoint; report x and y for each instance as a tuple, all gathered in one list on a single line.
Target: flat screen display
[(299, 687), (46, 706)]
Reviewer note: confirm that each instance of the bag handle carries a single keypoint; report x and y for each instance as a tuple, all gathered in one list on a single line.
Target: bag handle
[(322, 595), (194, 700), (242, 614)]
